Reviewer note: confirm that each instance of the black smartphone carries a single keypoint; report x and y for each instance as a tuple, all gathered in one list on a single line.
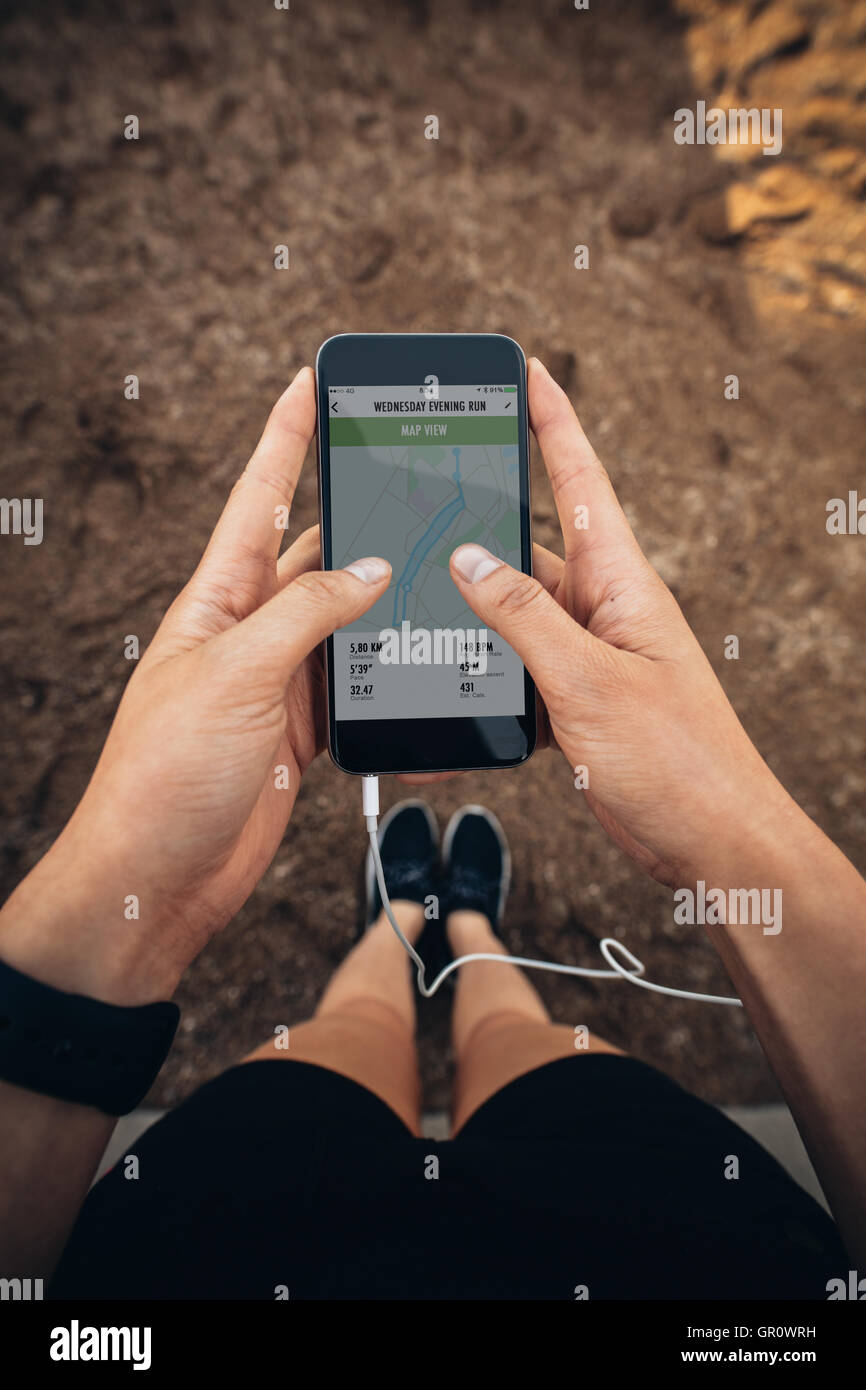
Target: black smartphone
[(423, 445)]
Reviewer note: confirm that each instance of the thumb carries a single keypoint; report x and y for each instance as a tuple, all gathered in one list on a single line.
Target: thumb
[(277, 637), (562, 657)]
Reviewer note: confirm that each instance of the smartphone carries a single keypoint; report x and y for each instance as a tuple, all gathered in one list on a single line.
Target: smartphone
[(423, 445)]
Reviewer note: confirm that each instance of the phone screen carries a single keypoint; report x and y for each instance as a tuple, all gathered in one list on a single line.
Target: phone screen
[(416, 471)]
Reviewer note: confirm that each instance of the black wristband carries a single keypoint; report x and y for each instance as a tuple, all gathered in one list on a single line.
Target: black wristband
[(80, 1049)]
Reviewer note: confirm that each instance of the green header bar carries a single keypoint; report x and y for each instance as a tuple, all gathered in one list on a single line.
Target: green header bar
[(447, 429)]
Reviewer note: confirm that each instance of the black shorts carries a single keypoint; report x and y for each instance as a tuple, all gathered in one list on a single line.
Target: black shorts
[(594, 1176)]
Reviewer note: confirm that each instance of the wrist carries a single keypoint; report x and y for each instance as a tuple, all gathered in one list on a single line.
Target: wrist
[(66, 925), (761, 833)]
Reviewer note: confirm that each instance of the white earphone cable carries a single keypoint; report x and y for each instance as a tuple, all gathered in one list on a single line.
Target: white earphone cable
[(608, 946)]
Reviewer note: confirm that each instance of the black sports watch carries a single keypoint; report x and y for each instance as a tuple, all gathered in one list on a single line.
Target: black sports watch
[(81, 1049)]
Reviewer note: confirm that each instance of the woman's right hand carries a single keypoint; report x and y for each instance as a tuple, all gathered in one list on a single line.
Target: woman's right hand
[(630, 696), (675, 781)]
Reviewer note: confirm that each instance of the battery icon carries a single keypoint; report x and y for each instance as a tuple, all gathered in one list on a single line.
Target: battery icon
[(509, 388)]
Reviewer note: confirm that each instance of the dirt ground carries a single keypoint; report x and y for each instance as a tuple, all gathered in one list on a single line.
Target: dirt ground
[(306, 127)]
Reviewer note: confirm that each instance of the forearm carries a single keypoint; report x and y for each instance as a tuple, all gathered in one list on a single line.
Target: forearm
[(65, 926), (49, 1151), (803, 987)]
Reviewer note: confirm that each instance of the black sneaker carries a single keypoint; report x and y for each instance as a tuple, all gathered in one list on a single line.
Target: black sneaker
[(409, 846), (477, 864)]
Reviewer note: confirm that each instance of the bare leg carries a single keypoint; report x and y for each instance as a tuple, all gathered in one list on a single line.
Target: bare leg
[(501, 1029), (364, 1026)]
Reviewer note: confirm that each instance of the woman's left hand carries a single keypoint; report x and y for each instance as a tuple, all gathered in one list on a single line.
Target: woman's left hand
[(200, 771)]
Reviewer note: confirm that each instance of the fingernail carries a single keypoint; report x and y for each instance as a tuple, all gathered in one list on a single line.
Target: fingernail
[(370, 570), (474, 562), (537, 362)]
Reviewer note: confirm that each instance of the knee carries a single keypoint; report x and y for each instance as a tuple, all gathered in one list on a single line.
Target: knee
[(365, 1013), (500, 1025)]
